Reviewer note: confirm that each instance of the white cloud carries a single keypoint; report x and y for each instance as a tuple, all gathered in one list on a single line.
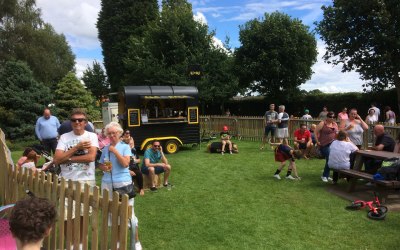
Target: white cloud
[(74, 18), (82, 64), (200, 17), (329, 78)]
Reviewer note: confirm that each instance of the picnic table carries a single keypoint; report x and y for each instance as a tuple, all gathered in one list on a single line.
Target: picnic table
[(357, 173)]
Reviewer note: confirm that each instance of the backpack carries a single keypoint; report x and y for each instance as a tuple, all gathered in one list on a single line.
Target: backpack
[(391, 173)]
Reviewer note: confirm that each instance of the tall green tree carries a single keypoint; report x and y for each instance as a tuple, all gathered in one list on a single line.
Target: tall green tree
[(118, 21), (171, 45), (168, 47), (26, 37), (95, 80), (70, 94), (276, 54), (22, 100), (364, 36)]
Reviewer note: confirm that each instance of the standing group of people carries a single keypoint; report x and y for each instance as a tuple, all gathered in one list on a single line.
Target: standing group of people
[(336, 139), (75, 152)]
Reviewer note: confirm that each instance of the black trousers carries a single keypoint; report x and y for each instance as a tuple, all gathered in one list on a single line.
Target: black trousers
[(50, 145), (138, 177)]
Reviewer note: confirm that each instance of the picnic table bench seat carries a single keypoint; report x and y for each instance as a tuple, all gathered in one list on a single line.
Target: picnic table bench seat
[(369, 177)]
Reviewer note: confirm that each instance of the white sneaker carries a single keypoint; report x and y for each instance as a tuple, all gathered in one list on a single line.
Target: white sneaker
[(230, 152), (369, 184), (324, 179), (277, 176), (222, 152), (330, 179), (138, 246), (289, 177)]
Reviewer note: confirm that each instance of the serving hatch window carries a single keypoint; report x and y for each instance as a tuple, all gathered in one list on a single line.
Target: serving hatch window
[(164, 108)]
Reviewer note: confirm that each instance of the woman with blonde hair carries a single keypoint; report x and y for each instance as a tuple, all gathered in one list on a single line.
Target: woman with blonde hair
[(116, 174)]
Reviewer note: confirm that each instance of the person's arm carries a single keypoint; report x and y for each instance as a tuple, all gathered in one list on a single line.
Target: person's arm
[(378, 147), (122, 159), (363, 124), (37, 128), (163, 158), (317, 131), (131, 142), (396, 147), (387, 116)]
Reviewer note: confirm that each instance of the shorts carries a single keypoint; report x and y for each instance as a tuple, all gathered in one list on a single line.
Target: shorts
[(282, 133), (91, 185), (131, 202), (280, 156), (157, 170), (269, 129), (302, 145)]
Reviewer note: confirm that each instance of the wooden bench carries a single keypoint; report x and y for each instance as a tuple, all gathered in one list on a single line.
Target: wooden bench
[(383, 184)]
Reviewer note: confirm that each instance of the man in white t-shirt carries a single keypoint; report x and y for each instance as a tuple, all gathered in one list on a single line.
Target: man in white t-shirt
[(76, 153)]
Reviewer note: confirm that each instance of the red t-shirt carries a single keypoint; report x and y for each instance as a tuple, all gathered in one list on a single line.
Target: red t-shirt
[(299, 136)]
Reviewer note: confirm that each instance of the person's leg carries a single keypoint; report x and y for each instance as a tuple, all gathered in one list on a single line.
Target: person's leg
[(152, 176), (139, 178), (307, 151), (223, 146), (229, 145), (167, 172), (296, 145), (264, 139), (335, 177), (325, 152), (281, 166), (53, 145)]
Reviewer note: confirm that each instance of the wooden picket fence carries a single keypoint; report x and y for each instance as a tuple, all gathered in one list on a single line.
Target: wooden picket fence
[(251, 128), (97, 208)]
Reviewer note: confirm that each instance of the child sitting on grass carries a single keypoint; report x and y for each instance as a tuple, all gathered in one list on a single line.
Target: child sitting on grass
[(284, 152)]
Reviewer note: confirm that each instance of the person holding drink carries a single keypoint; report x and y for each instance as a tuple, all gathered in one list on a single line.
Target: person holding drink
[(354, 127), (114, 161)]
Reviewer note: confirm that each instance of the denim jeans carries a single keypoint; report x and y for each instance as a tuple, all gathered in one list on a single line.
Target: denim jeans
[(325, 150)]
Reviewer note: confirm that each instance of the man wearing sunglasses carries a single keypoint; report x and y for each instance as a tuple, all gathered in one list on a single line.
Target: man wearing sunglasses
[(155, 163), (76, 150), (76, 153)]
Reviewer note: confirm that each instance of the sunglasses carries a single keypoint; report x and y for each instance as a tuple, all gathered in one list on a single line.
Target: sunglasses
[(78, 120), (331, 116), (157, 146)]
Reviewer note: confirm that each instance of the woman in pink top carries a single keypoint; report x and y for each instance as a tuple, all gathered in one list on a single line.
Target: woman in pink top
[(343, 115), (103, 139), (325, 134)]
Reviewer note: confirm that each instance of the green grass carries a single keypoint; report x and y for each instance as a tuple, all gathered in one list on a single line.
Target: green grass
[(233, 202)]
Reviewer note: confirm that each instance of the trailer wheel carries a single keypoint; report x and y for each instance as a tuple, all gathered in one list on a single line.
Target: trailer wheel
[(148, 145), (171, 147)]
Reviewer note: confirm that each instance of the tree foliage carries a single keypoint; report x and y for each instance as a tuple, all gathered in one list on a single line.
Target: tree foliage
[(170, 45), (364, 36), (95, 80), (22, 100), (276, 54), (26, 37), (70, 94), (118, 21)]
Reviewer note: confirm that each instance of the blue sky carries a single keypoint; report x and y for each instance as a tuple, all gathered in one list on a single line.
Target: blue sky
[(76, 19)]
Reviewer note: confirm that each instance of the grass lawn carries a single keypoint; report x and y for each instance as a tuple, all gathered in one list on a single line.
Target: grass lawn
[(233, 202)]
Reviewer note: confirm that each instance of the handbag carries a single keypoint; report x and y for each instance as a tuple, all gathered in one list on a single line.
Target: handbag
[(128, 189)]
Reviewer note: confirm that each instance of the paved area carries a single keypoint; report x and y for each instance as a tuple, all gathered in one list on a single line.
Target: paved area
[(366, 193)]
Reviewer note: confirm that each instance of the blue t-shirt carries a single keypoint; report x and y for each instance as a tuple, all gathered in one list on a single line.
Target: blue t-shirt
[(119, 173), (153, 156)]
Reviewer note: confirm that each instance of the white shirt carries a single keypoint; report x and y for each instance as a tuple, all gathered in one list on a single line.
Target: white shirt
[(77, 171), (377, 112), (306, 117), (339, 155)]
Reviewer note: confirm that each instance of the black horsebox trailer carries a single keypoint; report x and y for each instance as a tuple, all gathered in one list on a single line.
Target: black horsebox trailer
[(169, 114)]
